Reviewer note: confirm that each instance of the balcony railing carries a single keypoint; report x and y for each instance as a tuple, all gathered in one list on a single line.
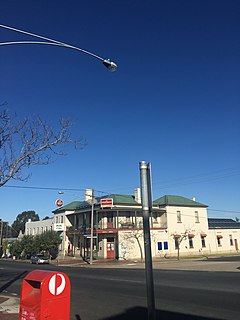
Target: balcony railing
[(121, 225)]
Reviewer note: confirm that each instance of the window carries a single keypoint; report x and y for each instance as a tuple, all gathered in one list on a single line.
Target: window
[(61, 219), (165, 244), (219, 237), (154, 217), (203, 242), (128, 215), (179, 218), (190, 243), (110, 217), (159, 245), (196, 217), (57, 219), (231, 240)]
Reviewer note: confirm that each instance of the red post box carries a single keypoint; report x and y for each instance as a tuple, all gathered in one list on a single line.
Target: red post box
[(45, 295)]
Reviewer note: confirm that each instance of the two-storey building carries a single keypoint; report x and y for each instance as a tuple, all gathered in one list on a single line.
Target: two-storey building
[(178, 224)]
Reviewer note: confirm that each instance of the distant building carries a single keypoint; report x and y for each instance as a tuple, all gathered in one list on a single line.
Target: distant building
[(38, 227)]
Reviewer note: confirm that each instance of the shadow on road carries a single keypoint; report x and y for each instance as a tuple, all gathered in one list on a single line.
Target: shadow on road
[(141, 313), (19, 276)]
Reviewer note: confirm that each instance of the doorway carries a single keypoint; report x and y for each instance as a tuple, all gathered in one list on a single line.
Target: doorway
[(236, 244), (110, 248)]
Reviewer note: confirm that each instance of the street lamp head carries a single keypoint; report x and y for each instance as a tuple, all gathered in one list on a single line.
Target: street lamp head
[(110, 65)]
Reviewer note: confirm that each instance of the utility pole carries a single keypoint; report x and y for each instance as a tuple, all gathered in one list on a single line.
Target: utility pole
[(146, 193), (1, 233), (91, 240)]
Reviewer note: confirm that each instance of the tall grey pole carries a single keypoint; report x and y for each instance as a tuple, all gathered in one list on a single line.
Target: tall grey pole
[(91, 242), (1, 234), (146, 193)]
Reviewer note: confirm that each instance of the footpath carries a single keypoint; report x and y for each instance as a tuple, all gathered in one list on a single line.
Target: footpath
[(9, 305)]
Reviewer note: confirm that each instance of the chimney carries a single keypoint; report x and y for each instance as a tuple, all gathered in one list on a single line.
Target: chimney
[(193, 199), (137, 195), (88, 195)]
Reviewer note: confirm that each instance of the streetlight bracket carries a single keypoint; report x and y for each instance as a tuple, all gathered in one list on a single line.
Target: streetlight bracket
[(110, 65)]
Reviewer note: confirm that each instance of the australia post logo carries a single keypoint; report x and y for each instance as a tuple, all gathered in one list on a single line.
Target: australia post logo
[(57, 284)]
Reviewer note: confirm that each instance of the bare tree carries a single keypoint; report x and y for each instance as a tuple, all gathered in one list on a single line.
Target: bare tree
[(29, 142), (179, 238)]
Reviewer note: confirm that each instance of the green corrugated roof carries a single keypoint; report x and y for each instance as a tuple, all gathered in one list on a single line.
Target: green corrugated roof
[(125, 199), (117, 199), (170, 200), (121, 198), (70, 206)]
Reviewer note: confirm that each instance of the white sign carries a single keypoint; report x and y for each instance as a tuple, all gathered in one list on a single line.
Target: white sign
[(106, 202), (58, 227), (53, 288)]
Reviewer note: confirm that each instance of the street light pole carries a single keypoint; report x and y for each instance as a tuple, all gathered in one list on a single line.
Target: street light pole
[(146, 193), (91, 240), (110, 65), (1, 235)]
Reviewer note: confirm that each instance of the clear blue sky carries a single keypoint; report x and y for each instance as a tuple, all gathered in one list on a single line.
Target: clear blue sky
[(174, 100)]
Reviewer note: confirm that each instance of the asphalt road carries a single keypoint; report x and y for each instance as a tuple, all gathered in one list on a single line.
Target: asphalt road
[(102, 294)]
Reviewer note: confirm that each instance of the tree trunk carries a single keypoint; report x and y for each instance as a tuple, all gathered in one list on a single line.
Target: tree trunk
[(140, 247), (178, 250)]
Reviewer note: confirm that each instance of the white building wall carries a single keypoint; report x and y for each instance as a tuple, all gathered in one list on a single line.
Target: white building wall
[(189, 220), (61, 222), (38, 227), (224, 245), (130, 242)]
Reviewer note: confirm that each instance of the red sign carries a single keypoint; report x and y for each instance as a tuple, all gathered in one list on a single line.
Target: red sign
[(107, 202), (59, 202)]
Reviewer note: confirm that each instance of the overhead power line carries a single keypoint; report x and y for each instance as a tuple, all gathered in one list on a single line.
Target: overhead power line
[(83, 190), (52, 188), (223, 210)]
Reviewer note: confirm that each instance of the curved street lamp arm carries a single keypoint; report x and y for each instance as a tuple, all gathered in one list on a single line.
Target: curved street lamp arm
[(107, 63), (53, 44), (50, 40)]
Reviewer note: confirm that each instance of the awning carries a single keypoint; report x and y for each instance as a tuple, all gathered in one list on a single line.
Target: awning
[(203, 235), (177, 235), (190, 235), (219, 236)]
